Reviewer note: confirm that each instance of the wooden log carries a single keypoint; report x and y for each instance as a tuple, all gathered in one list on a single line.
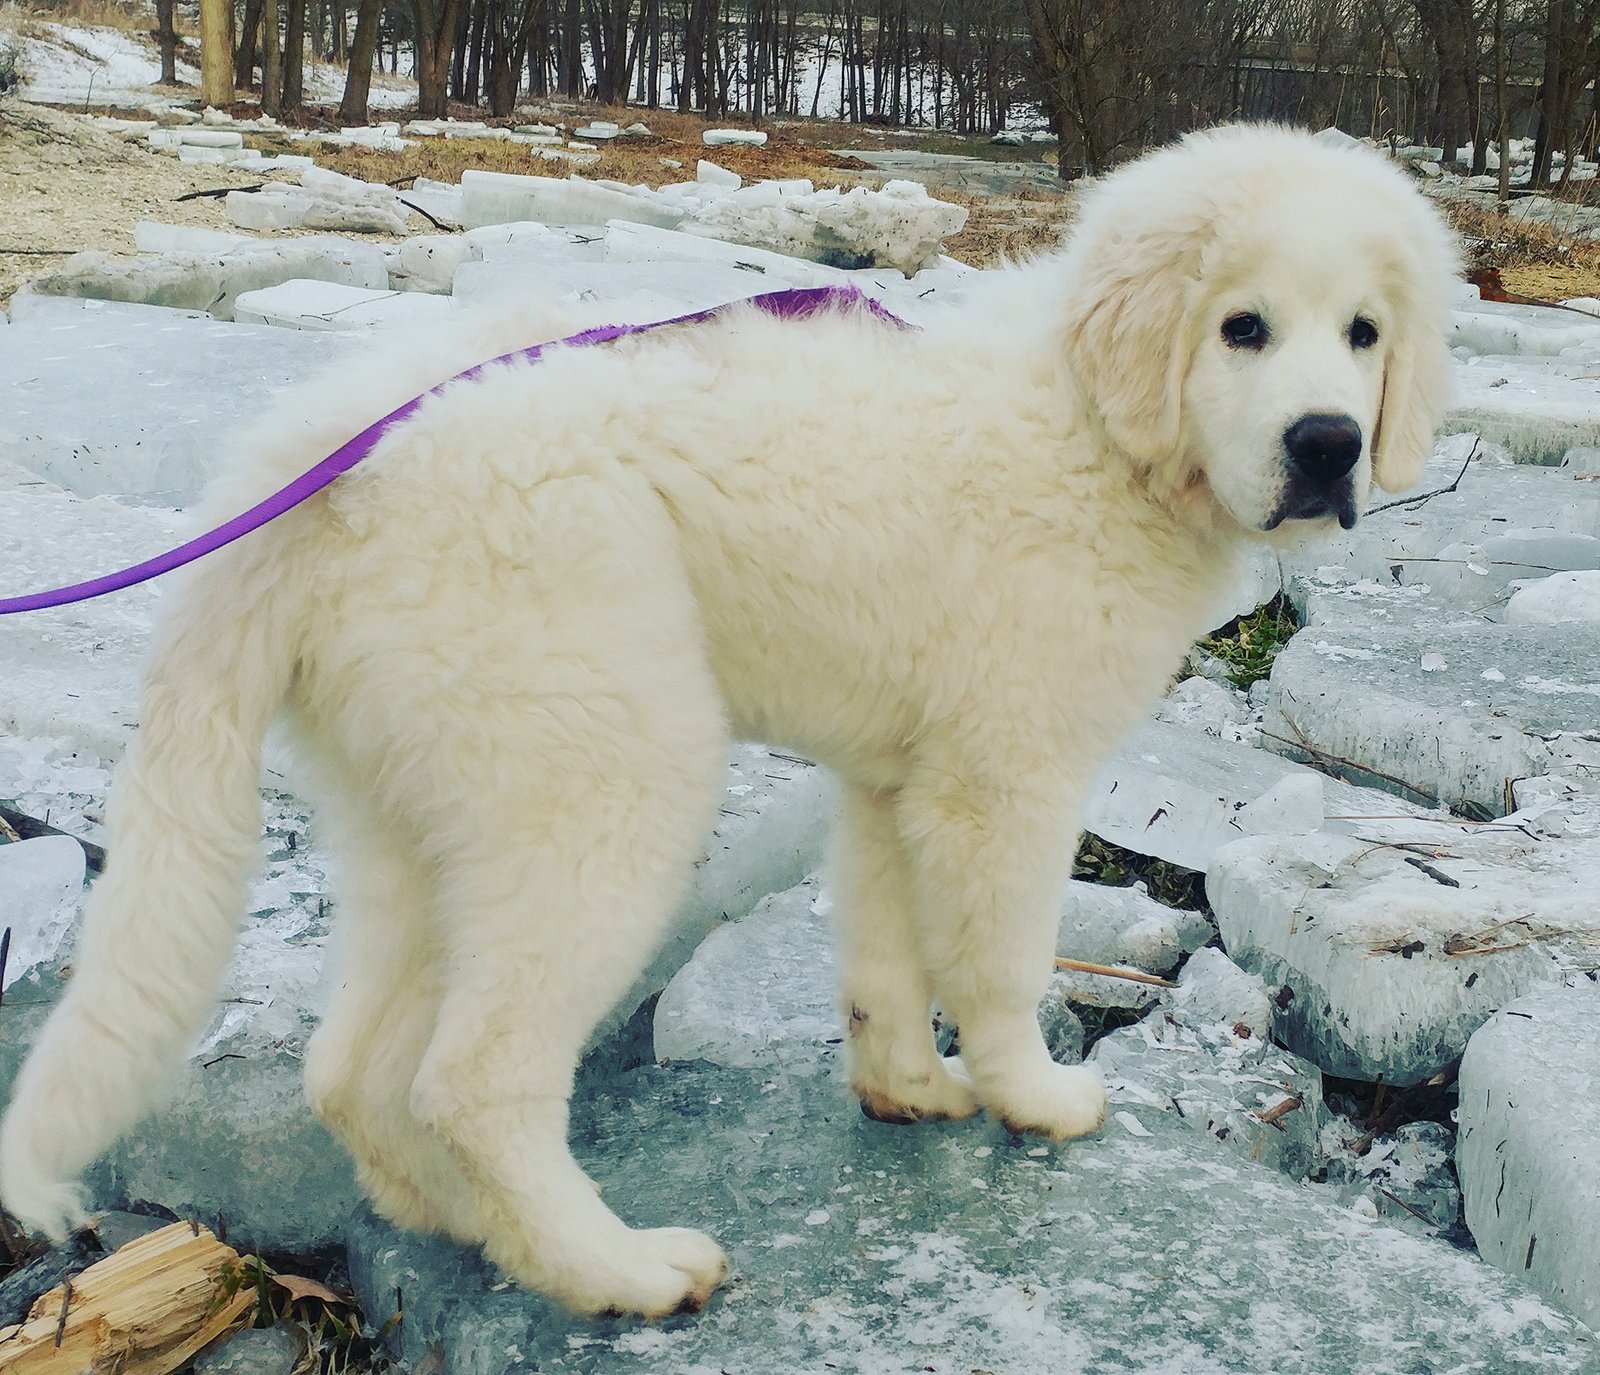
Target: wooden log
[(146, 1309)]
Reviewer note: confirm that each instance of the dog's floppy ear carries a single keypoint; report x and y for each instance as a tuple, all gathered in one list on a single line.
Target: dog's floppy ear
[(1416, 370), (1126, 333), (1416, 385)]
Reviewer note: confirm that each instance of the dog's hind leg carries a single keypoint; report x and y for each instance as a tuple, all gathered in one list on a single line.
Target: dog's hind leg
[(885, 991), (545, 723), (383, 979)]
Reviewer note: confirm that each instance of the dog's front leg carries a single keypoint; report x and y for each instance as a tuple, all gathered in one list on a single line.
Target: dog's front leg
[(990, 857)]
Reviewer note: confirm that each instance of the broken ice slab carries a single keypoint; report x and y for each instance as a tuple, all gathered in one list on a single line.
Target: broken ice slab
[(899, 226), (212, 281), (1213, 991), (428, 262), (1529, 1149), (1435, 711), (326, 306), (1405, 1177), (278, 206), (152, 236), (1101, 924), (760, 992), (1537, 407), (709, 174), (125, 399), (858, 1246), (40, 884), (1258, 1100), (500, 197), (1520, 520), (633, 292), (72, 673), (1393, 952), (1180, 795), (713, 138), (633, 243), (1556, 599), (769, 834), (1502, 327)]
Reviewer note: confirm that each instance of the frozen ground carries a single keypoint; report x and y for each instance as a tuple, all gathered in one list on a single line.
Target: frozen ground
[(1400, 834)]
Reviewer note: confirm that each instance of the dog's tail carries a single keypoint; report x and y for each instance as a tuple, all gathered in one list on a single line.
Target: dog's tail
[(161, 924)]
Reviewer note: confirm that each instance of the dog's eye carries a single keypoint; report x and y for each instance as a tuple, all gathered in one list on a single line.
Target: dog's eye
[(1245, 331), (1363, 333)]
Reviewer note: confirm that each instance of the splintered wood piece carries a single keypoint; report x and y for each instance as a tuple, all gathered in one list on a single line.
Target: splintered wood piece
[(1107, 971), (146, 1309)]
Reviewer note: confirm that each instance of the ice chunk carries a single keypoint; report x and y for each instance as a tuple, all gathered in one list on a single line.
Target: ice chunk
[(709, 174), (500, 197), (1292, 806), (759, 992), (1178, 794), (1529, 1149), (429, 262), (769, 836), (1261, 1102), (1213, 991), (1360, 698), (714, 138), (211, 282), (313, 305), (899, 226), (639, 243), (40, 883), (1204, 705), (1556, 599), (168, 389), (1407, 1176), (275, 1350), (1106, 925), (1392, 954)]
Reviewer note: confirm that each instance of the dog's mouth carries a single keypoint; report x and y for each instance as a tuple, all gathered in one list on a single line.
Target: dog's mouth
[(1299, 503)]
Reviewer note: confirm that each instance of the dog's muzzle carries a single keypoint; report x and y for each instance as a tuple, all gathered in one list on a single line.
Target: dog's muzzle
[(1320, 451)]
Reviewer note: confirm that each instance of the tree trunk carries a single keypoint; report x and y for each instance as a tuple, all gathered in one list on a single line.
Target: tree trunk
[(436, 33), (216, 53), (271, 60), (294, 56), (358, 78), (167, 40), (247, 53)]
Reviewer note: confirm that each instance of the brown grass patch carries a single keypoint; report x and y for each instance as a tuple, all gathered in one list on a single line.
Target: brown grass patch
[(1534, 259), (129, 16)]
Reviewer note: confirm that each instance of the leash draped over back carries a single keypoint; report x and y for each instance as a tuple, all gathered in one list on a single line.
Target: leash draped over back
[(791, 304)]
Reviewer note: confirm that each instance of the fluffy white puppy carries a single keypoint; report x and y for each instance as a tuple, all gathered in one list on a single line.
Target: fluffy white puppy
[(955, 565)]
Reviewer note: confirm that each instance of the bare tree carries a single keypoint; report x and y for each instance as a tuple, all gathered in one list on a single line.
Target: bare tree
[(216, 53)]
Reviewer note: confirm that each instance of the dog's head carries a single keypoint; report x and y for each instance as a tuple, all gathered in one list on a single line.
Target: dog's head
[(1263, 314)]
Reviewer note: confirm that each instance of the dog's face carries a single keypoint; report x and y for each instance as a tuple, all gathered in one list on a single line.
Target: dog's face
[(1264, 317)]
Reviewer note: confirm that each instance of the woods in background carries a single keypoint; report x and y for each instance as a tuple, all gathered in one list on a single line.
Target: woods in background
[(1110, 76)]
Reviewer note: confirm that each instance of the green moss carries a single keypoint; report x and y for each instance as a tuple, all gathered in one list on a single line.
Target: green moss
[(1249, 644)]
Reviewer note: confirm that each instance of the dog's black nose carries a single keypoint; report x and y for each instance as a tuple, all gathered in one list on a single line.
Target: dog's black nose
[(1324, 447)]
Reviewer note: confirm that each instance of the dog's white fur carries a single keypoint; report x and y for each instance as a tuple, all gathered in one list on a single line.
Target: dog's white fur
[(955, 565)]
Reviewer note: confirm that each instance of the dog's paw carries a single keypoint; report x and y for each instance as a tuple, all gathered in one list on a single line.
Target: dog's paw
[(653, 1275), (943, 1091), (1058, 1101)]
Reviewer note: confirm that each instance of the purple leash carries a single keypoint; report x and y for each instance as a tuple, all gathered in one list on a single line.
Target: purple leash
[(792, 304)]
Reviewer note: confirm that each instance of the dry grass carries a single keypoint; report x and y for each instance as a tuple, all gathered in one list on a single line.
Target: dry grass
[(128, 16), (1534, 259)]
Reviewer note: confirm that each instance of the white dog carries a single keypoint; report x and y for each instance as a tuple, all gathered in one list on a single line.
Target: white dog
[(954, 565)]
